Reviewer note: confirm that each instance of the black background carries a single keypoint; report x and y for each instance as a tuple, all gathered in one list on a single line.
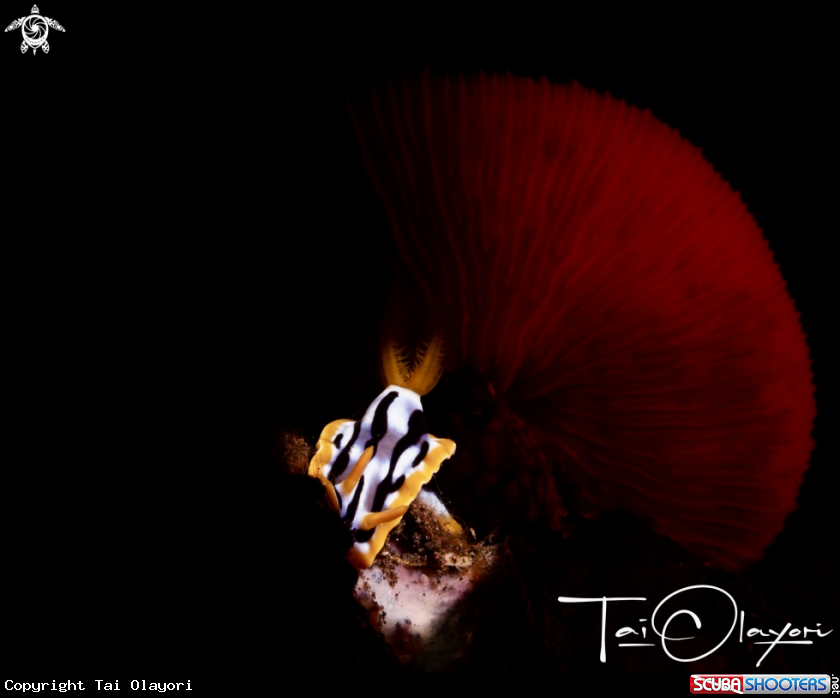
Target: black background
[(174, 244)]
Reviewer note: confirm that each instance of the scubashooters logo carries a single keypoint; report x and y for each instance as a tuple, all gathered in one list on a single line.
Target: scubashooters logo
[(35, 28), (674, 623), (737, 684)]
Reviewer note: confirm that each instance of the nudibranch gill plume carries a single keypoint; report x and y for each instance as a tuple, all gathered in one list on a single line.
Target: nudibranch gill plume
[(375, 467)]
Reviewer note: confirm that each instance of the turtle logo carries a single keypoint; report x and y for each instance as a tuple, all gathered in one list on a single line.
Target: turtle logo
[(35, 28)]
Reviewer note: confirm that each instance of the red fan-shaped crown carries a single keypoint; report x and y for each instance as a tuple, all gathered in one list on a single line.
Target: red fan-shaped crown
[(602, 275)]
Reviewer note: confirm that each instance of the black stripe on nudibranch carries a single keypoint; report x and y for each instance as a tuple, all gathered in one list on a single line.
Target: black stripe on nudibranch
[(416, 431), (363, 536), (379, 423), (343, 459), (338, 440), (354, 503), (424, 450)]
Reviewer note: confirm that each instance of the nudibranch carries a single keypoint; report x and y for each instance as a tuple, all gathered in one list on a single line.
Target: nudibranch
[(612, 288), (375, 467)]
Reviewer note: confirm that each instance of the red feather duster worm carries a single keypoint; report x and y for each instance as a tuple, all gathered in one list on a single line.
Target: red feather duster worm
[(612, 286)]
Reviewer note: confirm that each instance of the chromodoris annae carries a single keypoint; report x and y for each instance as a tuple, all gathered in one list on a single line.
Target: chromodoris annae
[(373, 468)]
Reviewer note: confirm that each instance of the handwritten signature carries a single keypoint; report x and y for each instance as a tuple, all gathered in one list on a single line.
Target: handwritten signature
[(752, 632)]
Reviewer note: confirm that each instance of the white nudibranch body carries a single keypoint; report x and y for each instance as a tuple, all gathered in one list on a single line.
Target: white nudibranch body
[(374, 468)]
